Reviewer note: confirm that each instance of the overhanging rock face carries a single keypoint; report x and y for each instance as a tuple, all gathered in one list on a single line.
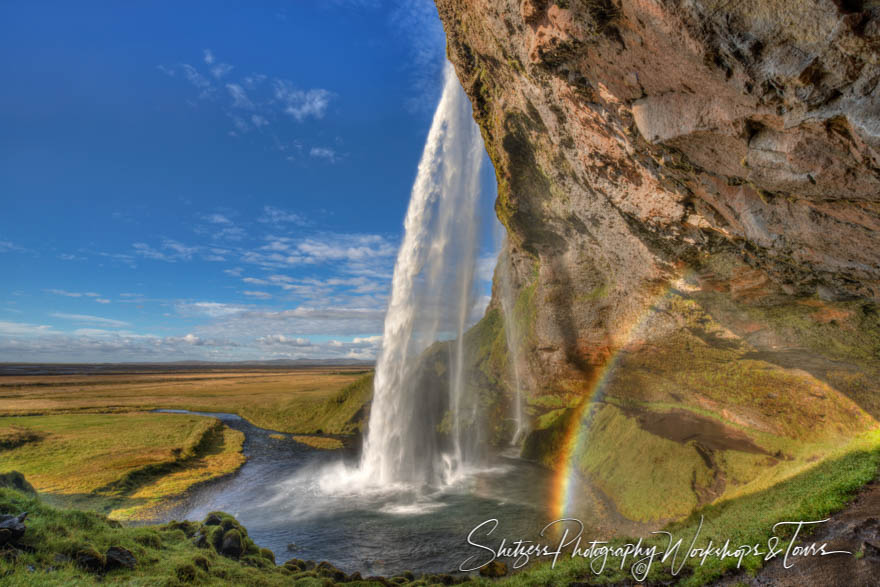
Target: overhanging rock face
[(632, 136)]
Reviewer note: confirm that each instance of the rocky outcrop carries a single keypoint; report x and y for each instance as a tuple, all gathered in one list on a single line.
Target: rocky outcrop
[(678, 175)]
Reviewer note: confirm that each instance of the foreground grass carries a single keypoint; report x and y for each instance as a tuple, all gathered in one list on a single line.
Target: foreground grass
[(166, 555), (122, 464), (811, 495), (304, 401)]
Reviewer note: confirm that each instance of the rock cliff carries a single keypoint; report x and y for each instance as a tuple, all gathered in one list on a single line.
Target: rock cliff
[(691, 191)]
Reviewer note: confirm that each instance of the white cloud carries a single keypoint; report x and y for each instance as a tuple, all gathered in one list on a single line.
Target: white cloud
[(209, 56), (276, 339), (193, 76), (258, 294), (221, 69), (171, 252), (239, 97), (211, 309), (21, 328), (216, 219), (323, 153), (301, 104)]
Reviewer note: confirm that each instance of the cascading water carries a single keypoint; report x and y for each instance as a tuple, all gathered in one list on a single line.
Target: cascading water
[(512, 336), (431, 295)]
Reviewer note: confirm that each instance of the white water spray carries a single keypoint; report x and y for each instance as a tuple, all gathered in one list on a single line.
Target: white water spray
[(431, 295), (512, 336)]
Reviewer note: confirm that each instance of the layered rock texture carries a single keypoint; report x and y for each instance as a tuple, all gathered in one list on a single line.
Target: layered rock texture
[(692, 196)]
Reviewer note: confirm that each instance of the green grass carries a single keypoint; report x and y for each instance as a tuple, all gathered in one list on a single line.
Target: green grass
[(166, 555), (812, 494), (120, 463)]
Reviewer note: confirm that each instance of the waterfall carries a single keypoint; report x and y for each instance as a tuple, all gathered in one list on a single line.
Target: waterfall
[(512, 336), (431, 297)]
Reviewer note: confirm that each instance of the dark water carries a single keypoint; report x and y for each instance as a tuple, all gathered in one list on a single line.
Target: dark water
[(276, 495)]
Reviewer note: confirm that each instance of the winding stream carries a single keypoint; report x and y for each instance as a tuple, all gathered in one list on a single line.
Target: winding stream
[(276, 496)]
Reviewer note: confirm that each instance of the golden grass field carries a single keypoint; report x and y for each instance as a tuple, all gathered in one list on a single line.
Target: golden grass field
[(287, 401), (91, 441)]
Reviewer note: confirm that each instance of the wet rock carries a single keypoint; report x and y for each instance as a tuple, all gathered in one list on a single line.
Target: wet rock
[(118, 557), (213, 519), (493, 569), (12, 528), (232, 545)]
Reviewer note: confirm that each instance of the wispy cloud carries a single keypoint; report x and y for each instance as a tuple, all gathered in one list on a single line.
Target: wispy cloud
[(210, 309), (273, 215), (171, 251), (22, 329), (258, 294), (301, 104), (8, 247), (239, 97), (253, 102), (73, 294), (323, 153)]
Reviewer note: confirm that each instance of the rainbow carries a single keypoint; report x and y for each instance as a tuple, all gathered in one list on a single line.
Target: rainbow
[(564, 480)]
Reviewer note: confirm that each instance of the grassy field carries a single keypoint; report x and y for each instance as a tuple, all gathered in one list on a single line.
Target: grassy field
[(304, 401), (120, 464), (88, 441)]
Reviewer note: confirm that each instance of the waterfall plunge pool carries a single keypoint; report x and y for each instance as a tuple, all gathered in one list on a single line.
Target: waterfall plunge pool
[(277, 496)]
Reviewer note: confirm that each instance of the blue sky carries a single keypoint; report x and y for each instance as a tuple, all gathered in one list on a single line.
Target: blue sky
[(197, 181)]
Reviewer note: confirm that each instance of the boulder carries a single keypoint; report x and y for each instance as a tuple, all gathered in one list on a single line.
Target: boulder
[(118, 557), (12, 527)]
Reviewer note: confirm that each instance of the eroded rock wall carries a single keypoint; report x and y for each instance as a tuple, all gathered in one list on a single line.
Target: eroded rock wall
[(632, 136)]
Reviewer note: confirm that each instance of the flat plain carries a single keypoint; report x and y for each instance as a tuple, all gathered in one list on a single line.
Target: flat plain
[(93, 441)]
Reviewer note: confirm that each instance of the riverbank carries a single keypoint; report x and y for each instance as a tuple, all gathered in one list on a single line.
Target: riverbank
[(93, 441)]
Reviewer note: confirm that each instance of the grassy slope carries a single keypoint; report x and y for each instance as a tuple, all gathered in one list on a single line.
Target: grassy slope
[(299, 401), (165, 554), (812, 494), (119, 463), (704, 369)]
